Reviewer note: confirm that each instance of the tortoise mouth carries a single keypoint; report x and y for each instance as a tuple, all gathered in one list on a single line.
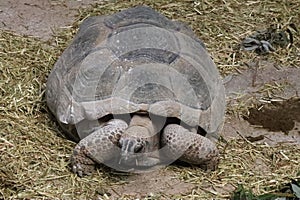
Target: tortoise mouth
[(138, 160)]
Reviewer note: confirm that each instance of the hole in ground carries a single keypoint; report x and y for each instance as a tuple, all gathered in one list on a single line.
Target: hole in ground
[(276, 116)]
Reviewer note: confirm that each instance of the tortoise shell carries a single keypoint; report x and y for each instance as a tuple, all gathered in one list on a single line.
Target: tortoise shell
[(136, 60)]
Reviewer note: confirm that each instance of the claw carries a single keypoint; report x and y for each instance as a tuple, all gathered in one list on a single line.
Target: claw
[(81, 164), (77, 170)]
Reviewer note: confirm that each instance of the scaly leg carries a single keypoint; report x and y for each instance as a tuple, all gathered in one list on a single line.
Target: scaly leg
[(191, 147), (98, 147)]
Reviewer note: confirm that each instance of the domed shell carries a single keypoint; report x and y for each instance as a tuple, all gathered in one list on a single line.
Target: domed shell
[(136, 60)]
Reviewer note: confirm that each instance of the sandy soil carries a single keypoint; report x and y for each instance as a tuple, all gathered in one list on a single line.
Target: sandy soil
[(38, 18)]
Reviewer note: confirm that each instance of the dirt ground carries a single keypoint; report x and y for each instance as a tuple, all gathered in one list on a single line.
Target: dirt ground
[(270, 121), (39, 18), (276, 119)]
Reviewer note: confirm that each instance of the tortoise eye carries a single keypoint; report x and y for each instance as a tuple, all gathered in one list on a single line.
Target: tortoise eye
[(138, 148)]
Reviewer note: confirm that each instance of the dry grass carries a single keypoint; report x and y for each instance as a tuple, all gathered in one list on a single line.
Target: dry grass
[(34, 159)]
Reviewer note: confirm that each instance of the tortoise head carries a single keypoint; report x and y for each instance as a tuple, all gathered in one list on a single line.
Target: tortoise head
[(133, 150), (139, 142), (137, 151), (132, 145)]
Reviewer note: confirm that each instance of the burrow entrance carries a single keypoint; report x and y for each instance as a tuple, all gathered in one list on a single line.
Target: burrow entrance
[(276, 116)]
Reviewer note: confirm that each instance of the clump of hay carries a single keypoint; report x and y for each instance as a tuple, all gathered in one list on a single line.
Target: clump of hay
[(34, 159)]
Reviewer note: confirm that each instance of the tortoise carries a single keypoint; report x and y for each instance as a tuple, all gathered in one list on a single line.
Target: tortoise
[(136, 90)]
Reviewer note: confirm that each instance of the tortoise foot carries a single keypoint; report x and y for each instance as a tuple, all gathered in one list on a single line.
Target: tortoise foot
[(191, 147), (81, 164), (97, 148)]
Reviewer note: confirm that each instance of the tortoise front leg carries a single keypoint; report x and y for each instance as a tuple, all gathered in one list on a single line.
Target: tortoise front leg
[(98, 147), (191, 147)]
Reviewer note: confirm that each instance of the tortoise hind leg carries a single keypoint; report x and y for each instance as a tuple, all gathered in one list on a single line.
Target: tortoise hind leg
[(98, 147), (191, 147)]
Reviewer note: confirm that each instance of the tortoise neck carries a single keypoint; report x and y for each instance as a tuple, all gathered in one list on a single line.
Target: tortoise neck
[(141, 122)]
